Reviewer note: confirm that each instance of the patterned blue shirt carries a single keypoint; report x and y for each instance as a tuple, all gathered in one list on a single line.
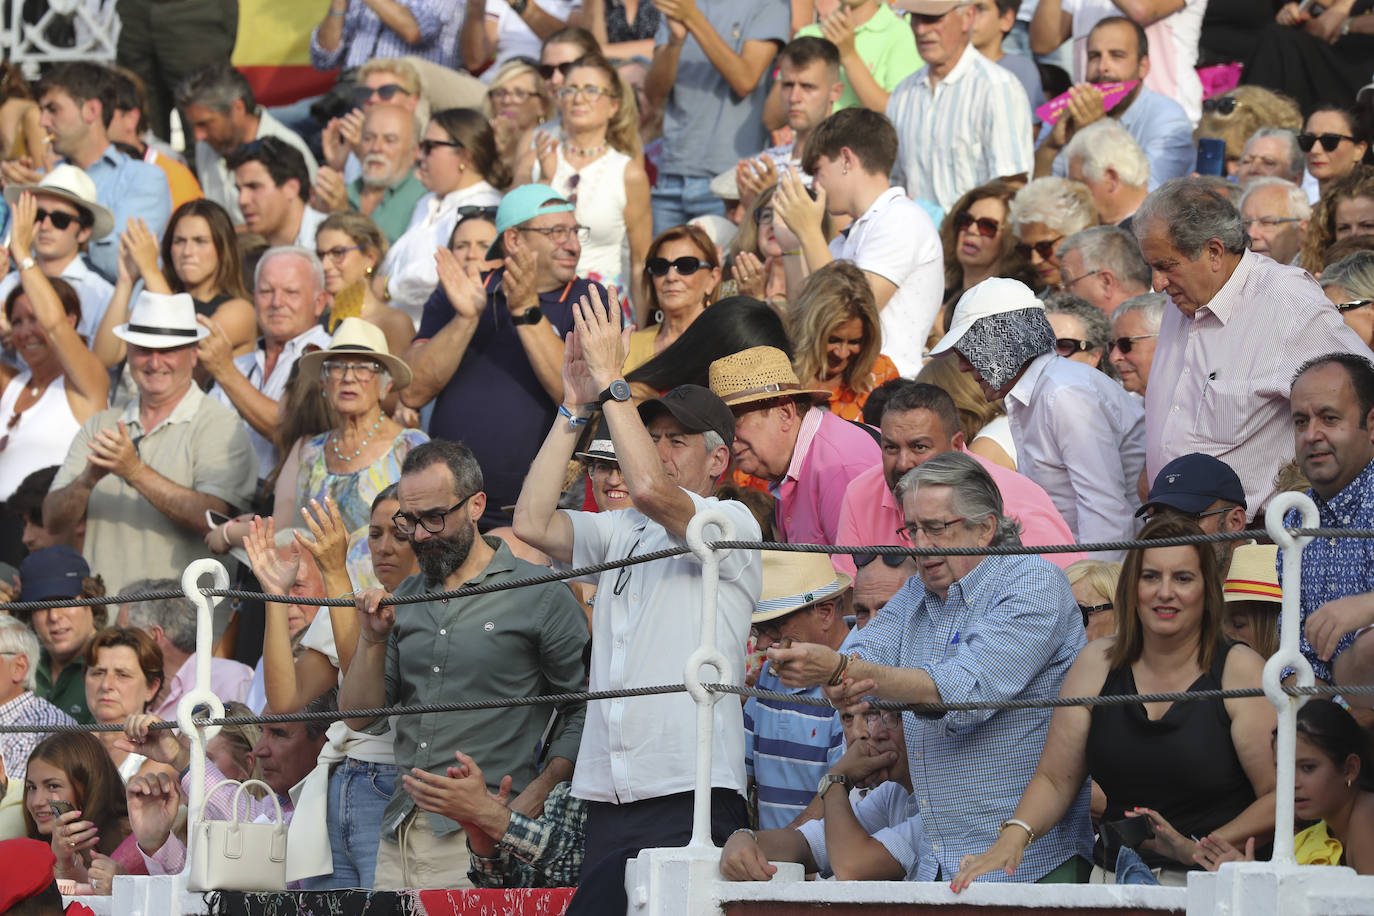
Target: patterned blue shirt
[(1008, 629), (30, 710), (537, 852), (365, 36), (1335, 567), (129, 187)]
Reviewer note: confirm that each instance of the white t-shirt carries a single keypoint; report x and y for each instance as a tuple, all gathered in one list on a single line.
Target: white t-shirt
[(358, 745), (897, 240), (516, 39), (890, 815)]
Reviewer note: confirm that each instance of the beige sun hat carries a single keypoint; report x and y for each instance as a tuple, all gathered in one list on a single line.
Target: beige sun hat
[(356, 337), (758, 374), (1254, 574), (793, 581), (74, 186)]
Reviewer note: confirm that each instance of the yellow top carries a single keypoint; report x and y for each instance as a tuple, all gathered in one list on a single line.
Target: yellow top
[(1314, 846), (641, 348)]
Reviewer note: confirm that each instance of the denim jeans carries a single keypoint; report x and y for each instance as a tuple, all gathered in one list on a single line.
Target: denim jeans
[(358, 794), (677, 198)]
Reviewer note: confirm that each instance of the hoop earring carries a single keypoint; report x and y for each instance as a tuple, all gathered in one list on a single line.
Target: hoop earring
[(658, 316)]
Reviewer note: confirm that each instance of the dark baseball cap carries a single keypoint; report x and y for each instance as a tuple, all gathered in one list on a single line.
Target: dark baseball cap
[(1191, 483), (53, 572), (698, 409)]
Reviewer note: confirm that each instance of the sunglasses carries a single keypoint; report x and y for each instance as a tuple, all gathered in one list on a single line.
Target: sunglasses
[(685, 267), (386, 93), (1329, 142), (1222, 106), (429, 146), (987, 226), (60, 221), (890, 560), (1087, 610), (487, 213), (548, 70), (1124, 344), (1068, 346), (1045, 249), (1353, 304)]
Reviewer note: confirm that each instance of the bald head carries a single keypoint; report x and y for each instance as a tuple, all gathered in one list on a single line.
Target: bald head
[(387, 147)]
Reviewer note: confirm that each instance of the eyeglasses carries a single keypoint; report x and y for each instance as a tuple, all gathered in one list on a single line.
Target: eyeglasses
[(518, 96), (888, 718), (932, 530), (1087, 610), (432, 521), (1124, 344), (1222, 106), (338, 370), (1068, 346), (987, 226), (1045, 249), (548, 70), (1269, 222), (428, 146), (890, 560), (599, 466), (336, 254), (60, 221), (558, 234), (1329, 142), (1068, 284), (386, 93), (1194, 516), (685, 267), (1353, 304), (569, 93)]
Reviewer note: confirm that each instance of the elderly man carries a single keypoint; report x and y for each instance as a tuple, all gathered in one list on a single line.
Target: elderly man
[(876, 581), (807, 454), (1227, 352), (1203, 490), (489, 347), (223, 115), (387, 189), (273, 187), (1272, 152), (513, 643), (288, 293), (1276, 213), (1078, 434), (381, 81), (1103, 265), (145, 474), (19, 705), (920, 421), (1106, 158), (970, 628), (1135, 328)]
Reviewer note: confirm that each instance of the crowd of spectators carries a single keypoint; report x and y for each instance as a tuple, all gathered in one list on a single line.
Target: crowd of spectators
[(538, 281)]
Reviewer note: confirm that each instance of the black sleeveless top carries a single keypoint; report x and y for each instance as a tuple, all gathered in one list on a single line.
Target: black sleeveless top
[(1184, 765), (208, 308)]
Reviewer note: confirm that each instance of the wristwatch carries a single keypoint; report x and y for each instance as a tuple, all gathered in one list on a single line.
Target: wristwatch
[(518, 6), (830, 779), (26, 264), (531, 315), (618, 391)]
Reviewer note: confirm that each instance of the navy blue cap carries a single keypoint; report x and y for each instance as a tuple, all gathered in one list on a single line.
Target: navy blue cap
[(1191, 483), (53, 572)]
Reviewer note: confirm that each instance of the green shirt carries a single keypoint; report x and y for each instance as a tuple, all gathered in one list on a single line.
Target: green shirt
[(69, 693), (886, 44), (392, 213), (514, 643)]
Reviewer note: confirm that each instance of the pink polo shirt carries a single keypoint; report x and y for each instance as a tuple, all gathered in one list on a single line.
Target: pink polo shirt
[(830, 452), (870, 514), (228, 680)]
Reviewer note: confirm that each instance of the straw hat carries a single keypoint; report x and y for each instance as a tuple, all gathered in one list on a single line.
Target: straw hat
[(356, 337), (74, 186), (793, 581), (1253, 575), (758, 374)]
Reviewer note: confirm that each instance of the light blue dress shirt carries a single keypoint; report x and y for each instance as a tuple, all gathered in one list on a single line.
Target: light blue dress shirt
[(129, 187)]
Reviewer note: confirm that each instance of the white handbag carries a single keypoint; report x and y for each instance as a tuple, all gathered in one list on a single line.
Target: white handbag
[(234, 855)]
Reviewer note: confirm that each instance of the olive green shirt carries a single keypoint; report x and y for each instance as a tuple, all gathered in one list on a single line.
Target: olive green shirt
[(69, 693), (393, 212)]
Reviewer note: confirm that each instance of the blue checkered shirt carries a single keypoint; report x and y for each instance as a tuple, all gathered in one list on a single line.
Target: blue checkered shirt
[(365, 36), (543, 852), (30, 710), (1008, 629)]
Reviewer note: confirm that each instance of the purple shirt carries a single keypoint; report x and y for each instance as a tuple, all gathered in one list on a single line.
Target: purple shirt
[(830, 452)]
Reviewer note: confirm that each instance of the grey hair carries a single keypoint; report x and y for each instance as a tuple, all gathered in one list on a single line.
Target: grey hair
[(305, 254), (17, 639), (1192, 213), (176, 616), (1105, 144), (1297, 159), (1298, 206), (1097, 330), (1065, 206), (1109, 248), (1355, 272), (1150, 306), (713, 440), (216, 87), (975, 492)]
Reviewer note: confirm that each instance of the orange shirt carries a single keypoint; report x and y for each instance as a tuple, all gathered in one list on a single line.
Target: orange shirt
[(180, 181), (845, 403)]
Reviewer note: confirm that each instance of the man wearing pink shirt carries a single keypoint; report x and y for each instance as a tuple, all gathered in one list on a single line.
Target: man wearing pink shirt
[(919, 422), (809, 454)]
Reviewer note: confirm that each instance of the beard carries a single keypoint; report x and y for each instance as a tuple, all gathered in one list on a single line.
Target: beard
[(440, 557), (378, 181)]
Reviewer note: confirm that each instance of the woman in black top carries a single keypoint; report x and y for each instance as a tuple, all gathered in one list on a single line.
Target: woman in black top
[(1195, 768)]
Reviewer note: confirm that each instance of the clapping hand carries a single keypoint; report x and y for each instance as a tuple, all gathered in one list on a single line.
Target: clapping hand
[(112, 451), (273, 572), (23, 226), (546, 151), (215, 352), (794, 206), (838, 29), (462, 286), (142, 246), (340, 137), (330, 546), (602, 340), (753, 177)]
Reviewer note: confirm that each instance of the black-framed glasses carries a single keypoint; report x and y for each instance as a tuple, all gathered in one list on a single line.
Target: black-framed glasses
[(685, 266), (1045, 248), (987, 226), (1087, 610), (1329, 142), (558, 234), (1068, 346), (1269, 222), (337, 369), (428, 146), (60, 221), (337, 253), (1353, 304), (1224, 105), (1125, 344), (386, 92), (932, 530), (890, 560), (432, 520)]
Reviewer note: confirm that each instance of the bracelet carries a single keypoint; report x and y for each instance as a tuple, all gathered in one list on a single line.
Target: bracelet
[(837, 676), (754, 836), (1014, 822), (338, 15), (346, 595), (573, 419)]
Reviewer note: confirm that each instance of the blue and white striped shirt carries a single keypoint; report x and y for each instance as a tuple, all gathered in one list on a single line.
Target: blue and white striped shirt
[(1008, 629)]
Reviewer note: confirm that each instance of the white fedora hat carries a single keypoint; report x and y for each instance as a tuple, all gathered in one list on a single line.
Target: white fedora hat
[(160, 322), (74, 185)]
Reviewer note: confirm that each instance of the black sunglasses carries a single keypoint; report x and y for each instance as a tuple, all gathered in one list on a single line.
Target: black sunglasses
[(548, 70), (468, 212), (890, 560), (388, 92), (1342, 306), (429, 146), (1329, 142), (1068, 346), (1124, 344), (60, 221), (1044, 248), (658, 267), (1222, 106), (1087, 610), (987, 226)]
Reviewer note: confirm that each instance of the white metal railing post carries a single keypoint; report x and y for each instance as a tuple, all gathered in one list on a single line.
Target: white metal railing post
[(1288, 656), (706, 654), (96, 25)]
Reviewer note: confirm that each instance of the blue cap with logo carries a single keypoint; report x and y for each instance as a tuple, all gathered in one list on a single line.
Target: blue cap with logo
[(1191, 483), (521, 205), (53, 572)]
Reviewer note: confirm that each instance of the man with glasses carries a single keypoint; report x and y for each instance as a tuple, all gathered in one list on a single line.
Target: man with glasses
[(522, 642), (920, 421), (489, 350), (1276, 215), (971, 628), (1102, 264), (1203, 490), (19, 705), (144, 475)]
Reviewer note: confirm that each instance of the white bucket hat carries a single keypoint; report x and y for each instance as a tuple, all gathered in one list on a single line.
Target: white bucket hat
[(161, 322), (74, 185)]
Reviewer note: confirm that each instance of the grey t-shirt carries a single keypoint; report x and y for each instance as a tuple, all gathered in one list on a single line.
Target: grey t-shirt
[(706, 127)]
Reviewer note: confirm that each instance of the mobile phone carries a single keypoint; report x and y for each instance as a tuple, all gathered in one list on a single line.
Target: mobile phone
[(1211, 156), (60, 808), (215, 519)]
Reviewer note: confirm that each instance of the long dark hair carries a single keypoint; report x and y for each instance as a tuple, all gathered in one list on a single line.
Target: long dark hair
[(473, 131), (731, 325), (1335, 733), (229, 270), (97, 789)]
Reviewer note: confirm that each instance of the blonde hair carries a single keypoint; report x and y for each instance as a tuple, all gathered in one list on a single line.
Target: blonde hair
[(409, 77), (831, 296), (1100, 575), (622, 133), (1256, 107), (512, 69)]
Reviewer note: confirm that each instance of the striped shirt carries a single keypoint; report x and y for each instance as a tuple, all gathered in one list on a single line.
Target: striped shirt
[(1222, 378), (1008, 629), (365, 36), (967, 129), (32, 711)]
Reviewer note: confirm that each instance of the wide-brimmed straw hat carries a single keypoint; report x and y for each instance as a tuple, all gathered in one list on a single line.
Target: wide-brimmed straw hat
[(356, 337), (793, 581), (162, 322), (74, 186), (1254, 574), (758, 374)]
